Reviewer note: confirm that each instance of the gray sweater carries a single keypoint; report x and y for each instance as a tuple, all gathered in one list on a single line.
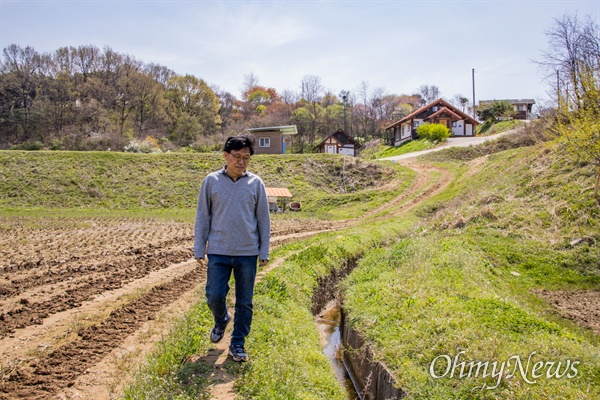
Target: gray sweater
[(233, 217)]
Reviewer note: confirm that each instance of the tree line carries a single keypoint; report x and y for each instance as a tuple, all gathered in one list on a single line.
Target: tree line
[(87, 98)]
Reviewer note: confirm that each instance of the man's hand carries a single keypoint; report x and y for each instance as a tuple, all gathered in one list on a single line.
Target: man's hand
[(262, 263), (200, 261)]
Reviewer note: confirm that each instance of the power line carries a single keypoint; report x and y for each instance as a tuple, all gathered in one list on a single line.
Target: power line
[(502, 74)]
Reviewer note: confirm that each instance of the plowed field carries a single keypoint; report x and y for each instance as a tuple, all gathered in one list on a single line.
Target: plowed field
[(76, 292), (72, 290)]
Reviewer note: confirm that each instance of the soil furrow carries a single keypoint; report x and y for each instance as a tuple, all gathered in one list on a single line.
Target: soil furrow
[(42, 378), (32, 313)]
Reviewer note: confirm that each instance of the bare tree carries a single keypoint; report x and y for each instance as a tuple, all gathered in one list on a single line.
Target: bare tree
[(289, 96), (228, 108), (160, 73), (363, 108), (63, 58), (312, 89), (87, 59), (460, 101), (573, 53), (377, 110), (428, 93), (21, 79), (126, 90), (250, 81)]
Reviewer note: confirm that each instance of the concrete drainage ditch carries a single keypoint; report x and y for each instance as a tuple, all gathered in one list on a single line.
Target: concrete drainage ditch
[(328, 322), (361, 376)]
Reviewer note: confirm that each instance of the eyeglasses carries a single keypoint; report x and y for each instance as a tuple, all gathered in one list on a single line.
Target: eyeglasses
[(238, 157)]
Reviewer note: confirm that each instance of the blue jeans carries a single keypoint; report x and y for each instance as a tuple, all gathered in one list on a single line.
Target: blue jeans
[(217, 286)]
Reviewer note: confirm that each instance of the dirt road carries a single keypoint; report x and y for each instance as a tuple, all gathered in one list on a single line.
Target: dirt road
[(465, 141)]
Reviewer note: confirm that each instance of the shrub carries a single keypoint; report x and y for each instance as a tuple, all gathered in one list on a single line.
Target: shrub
[(433, 132), (495, 110), (199, 147), (56, 144), (148, 145), (28, 146)]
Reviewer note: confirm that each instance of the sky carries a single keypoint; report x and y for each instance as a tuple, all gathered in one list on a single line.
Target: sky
[(397, 45)]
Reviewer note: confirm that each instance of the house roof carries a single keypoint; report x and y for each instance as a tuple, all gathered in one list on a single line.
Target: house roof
[(284, 129), (341, 137), (440, 102), (511, 101), (444, 110), (278, 192)]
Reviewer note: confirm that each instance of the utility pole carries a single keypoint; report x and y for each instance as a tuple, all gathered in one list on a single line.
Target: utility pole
[(558, 89), (344, 95), (473, 78)]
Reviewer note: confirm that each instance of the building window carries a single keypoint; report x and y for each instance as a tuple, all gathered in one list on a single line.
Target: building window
[(454, 124), (264, 142)]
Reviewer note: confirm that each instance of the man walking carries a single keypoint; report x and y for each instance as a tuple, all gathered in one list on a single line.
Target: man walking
[(233, 218)]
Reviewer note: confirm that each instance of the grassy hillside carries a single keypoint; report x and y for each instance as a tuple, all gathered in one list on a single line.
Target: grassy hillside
[(516, 224), (125, 181), (493, 127)]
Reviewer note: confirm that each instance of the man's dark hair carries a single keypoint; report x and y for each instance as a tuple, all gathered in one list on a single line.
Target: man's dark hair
[(238, 143)]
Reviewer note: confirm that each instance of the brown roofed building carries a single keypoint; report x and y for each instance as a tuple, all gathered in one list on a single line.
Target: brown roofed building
[(436, 112), (522, 107), (338, 143), (271, 140)]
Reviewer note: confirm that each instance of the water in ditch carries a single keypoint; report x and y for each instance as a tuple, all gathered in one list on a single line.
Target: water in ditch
[(328, 322)]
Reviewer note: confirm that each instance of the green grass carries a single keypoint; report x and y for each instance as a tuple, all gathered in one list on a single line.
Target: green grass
[(404, 148), (157, 183), (491, 128), (431, 296), (290, 362), (165, 375), (465, 280)]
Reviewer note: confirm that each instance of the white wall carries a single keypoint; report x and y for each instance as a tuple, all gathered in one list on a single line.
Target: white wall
[(458, 130), (346, 151), (469, 129)]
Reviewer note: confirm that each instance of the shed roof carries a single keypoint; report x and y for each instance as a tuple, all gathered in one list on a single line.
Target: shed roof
[(511, 101), (284, 129), (278, 192), (444, 110)]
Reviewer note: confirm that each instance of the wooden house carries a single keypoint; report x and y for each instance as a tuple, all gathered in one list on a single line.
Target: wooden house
[(271, 140), (339, 143), (436, 112)]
